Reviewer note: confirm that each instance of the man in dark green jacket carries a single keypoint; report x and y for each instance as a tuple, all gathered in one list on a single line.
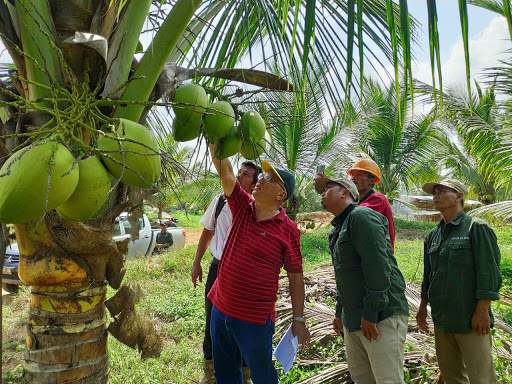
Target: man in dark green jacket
[(371, 309), (460, 279)]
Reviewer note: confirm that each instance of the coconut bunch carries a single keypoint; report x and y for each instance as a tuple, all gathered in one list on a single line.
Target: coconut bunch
[(46, 175), (217, 122)]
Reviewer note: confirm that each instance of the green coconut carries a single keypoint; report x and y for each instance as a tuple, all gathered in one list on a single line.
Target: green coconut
[(35, 180), (186, 130), (229, 145), (191, 102), (134, 158), (219, 120), (91, 193), (251, 150), (252, 126)]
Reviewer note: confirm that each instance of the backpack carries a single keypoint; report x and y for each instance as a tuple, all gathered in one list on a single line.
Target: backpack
[(218, 208)]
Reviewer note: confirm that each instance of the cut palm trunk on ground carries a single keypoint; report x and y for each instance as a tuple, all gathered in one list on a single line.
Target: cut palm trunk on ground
[(420, 356)]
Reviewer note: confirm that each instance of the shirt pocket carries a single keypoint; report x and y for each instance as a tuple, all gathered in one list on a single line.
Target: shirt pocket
[(459, 253), (436, 287), (348, 259)]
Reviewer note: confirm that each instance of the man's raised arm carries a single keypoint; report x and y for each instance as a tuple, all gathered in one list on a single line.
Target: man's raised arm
[(225, 171)]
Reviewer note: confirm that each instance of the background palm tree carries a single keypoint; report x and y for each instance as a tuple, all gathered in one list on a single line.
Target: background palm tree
[(475, 144), (401, 144), (302, 136)]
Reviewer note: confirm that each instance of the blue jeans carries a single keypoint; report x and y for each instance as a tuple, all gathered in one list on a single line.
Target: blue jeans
[(233, 340)]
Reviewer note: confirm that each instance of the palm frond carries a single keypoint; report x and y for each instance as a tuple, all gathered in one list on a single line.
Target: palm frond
[(321, 291), (398, 146), (501, 211)]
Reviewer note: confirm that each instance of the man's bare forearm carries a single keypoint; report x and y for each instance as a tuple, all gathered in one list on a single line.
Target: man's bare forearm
[(297, 295), (483, 305), (225, 171), (202, 246)]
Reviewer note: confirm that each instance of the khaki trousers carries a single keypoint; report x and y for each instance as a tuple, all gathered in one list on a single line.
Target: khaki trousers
[(380, 361), (465, 358)]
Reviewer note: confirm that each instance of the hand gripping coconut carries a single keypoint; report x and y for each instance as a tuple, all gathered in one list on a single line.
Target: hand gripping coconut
[(229, 145)]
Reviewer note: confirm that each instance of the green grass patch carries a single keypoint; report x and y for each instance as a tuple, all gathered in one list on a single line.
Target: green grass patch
[(315, 248), (187, 220), (177, 308)]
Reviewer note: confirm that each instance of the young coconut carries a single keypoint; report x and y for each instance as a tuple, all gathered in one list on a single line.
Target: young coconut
[(191, 102), (134, 157), (251, 150), (229, 145), (35, 180), (252, 127), (91, 194), (219, 120)]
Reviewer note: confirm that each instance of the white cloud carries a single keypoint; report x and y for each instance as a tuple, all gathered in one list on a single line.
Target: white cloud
[(485, 50)]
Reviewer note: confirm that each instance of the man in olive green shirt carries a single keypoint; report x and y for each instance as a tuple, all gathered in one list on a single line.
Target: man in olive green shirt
[(371, 309), (460, 279)]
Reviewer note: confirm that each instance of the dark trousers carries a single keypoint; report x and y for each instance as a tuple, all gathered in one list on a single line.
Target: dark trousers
[(212, 276), (233, 340)]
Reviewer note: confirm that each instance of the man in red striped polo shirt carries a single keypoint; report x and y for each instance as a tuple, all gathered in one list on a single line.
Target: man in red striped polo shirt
[(262, 240)]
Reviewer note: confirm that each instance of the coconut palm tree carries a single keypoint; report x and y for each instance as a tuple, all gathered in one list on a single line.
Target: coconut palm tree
[(76, 75), (302, 137), (476, 148), (402, 145)]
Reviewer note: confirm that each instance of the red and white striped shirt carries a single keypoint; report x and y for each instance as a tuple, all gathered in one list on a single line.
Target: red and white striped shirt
[(248, 276)]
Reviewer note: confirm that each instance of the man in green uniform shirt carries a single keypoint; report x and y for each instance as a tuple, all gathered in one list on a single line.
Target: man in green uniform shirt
[(371, 308), (460, 279)]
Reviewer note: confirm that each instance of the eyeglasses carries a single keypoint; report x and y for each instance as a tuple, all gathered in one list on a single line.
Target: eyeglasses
[(270, 178)]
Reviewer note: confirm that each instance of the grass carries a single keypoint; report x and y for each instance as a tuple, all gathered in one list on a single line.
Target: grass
[(177, 308), (189, 221)]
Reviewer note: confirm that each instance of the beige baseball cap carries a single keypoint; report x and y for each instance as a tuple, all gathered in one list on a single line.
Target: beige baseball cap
[(321, 182), (456, 185)]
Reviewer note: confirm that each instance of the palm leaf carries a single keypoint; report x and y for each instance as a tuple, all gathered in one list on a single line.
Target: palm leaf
[(501, 211), (360, 42), (435, 57), (463, 13), (406, 48), (350, 43), (394, 47)]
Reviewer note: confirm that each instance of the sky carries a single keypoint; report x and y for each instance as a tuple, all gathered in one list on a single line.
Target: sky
[(488, 40)]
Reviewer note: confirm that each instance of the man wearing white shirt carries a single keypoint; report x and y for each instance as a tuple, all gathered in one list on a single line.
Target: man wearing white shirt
[(216, 223)]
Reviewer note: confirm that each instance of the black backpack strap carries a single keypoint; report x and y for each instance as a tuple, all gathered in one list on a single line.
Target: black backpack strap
[(221, 202)]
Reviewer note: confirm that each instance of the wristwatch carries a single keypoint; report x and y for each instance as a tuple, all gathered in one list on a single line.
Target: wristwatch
[(300, 319)]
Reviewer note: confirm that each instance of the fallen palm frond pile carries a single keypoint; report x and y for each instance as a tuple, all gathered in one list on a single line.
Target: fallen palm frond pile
[(420, 361)]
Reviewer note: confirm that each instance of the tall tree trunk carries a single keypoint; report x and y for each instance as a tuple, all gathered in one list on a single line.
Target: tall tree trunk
[(67, 337)]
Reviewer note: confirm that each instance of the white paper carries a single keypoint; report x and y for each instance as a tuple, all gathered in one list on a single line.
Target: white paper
[(286, 350)]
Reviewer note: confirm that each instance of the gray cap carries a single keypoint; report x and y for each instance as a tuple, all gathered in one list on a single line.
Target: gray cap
[(321, 182), (456, 185)]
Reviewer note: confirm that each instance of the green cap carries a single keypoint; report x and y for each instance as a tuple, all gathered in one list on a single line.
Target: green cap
[(456, 185), (284, 175), (321, 182)]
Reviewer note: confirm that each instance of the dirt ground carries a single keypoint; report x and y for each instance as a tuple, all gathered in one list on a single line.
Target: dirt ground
[(193, 236)]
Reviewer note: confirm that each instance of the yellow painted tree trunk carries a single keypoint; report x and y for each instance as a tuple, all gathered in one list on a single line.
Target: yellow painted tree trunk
[(67, 265)]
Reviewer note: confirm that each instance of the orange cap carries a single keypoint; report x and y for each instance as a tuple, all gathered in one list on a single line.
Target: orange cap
[(367, 165)]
